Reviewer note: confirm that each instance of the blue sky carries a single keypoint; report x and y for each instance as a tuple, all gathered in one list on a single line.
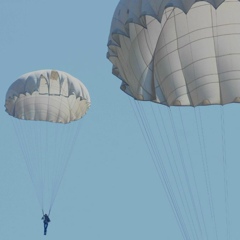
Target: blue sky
[(111, 189)]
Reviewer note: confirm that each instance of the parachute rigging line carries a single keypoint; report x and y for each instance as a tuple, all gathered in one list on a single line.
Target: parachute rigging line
[(161, 169), (225, 169), (189, 226), (205, 166), (195, 183), (72, 140), (179, 149), (178, 179)]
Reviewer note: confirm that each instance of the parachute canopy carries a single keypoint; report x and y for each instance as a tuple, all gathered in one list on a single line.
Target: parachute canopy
[(177, 52), (47, 95), (186, 53)]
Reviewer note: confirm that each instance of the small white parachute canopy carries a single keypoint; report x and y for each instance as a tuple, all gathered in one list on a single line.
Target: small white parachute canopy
[(47, 95), (177, 52)]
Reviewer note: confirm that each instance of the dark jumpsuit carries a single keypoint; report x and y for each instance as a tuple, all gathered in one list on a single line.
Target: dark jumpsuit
[(46, 220)]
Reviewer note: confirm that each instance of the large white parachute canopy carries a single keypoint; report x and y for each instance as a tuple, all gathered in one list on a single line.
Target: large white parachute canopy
[(177, 52), (46, 105), (186, 53)]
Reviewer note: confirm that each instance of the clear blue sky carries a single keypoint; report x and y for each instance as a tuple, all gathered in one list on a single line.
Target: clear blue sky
[(111, 189)]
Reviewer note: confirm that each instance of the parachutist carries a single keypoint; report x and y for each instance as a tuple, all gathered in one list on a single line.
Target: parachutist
[(46, 220), (69, 100)]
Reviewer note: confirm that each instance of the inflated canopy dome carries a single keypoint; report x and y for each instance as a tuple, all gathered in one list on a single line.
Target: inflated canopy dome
[(47, 95), (177, 52)]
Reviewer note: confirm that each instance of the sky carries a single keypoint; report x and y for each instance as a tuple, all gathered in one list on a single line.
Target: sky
[(111, 189)]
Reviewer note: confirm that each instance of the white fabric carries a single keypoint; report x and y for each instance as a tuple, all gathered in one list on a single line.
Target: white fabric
[(47, 95), (187, 55)]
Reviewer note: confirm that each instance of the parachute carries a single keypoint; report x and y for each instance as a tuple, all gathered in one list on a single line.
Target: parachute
[(45, 106), (184, 57)]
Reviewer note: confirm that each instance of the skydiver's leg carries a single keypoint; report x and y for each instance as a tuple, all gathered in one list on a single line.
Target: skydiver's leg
[(45, 228)]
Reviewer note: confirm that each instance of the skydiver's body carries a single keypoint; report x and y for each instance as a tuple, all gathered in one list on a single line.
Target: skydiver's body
[(46, 220)]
